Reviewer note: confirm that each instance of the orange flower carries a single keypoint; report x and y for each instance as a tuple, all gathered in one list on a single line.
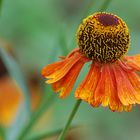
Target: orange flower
[(103, 39)]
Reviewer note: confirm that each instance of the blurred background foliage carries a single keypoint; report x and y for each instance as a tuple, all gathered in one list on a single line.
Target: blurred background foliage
[(33, 33)]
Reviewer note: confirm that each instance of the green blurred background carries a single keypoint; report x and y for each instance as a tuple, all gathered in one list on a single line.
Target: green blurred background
[(39, 31)]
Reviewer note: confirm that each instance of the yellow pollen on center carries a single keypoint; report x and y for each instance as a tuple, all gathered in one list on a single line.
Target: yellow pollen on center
[(103, 37)]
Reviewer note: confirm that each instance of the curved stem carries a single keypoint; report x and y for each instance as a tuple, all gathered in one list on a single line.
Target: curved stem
[(64, 131)]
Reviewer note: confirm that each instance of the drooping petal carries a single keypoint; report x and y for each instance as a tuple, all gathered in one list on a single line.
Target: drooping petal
[(99, 88), (114, 103), (133, 62), (65, 84), (128, 108), (102, 92), (126, 91), (58, 70), (51, 68), (106, 93), (86, 89), (110, 85), (135, 82)]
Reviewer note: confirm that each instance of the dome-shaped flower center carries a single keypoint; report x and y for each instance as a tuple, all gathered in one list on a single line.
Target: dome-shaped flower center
[(103, 37)]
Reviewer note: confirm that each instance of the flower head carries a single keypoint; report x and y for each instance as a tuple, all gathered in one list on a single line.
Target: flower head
[(103, 39)]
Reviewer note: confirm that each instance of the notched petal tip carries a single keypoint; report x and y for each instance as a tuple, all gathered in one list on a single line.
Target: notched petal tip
[(128, 108)]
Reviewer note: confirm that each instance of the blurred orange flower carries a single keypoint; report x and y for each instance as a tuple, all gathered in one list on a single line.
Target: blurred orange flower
[(103, 39), (10, 94), (10, 98)]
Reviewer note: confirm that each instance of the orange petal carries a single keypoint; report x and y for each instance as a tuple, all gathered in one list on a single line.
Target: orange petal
[(135, 81), (58, 70), (126, 92), (109, 85), (133, 62), (86, 89), (65, 84), (128, 108), (51, 68), (99, 87), (114, 103), (105, 92)]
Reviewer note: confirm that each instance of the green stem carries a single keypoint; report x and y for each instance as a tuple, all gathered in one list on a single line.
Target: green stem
[(63, 133), (104, 6)]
